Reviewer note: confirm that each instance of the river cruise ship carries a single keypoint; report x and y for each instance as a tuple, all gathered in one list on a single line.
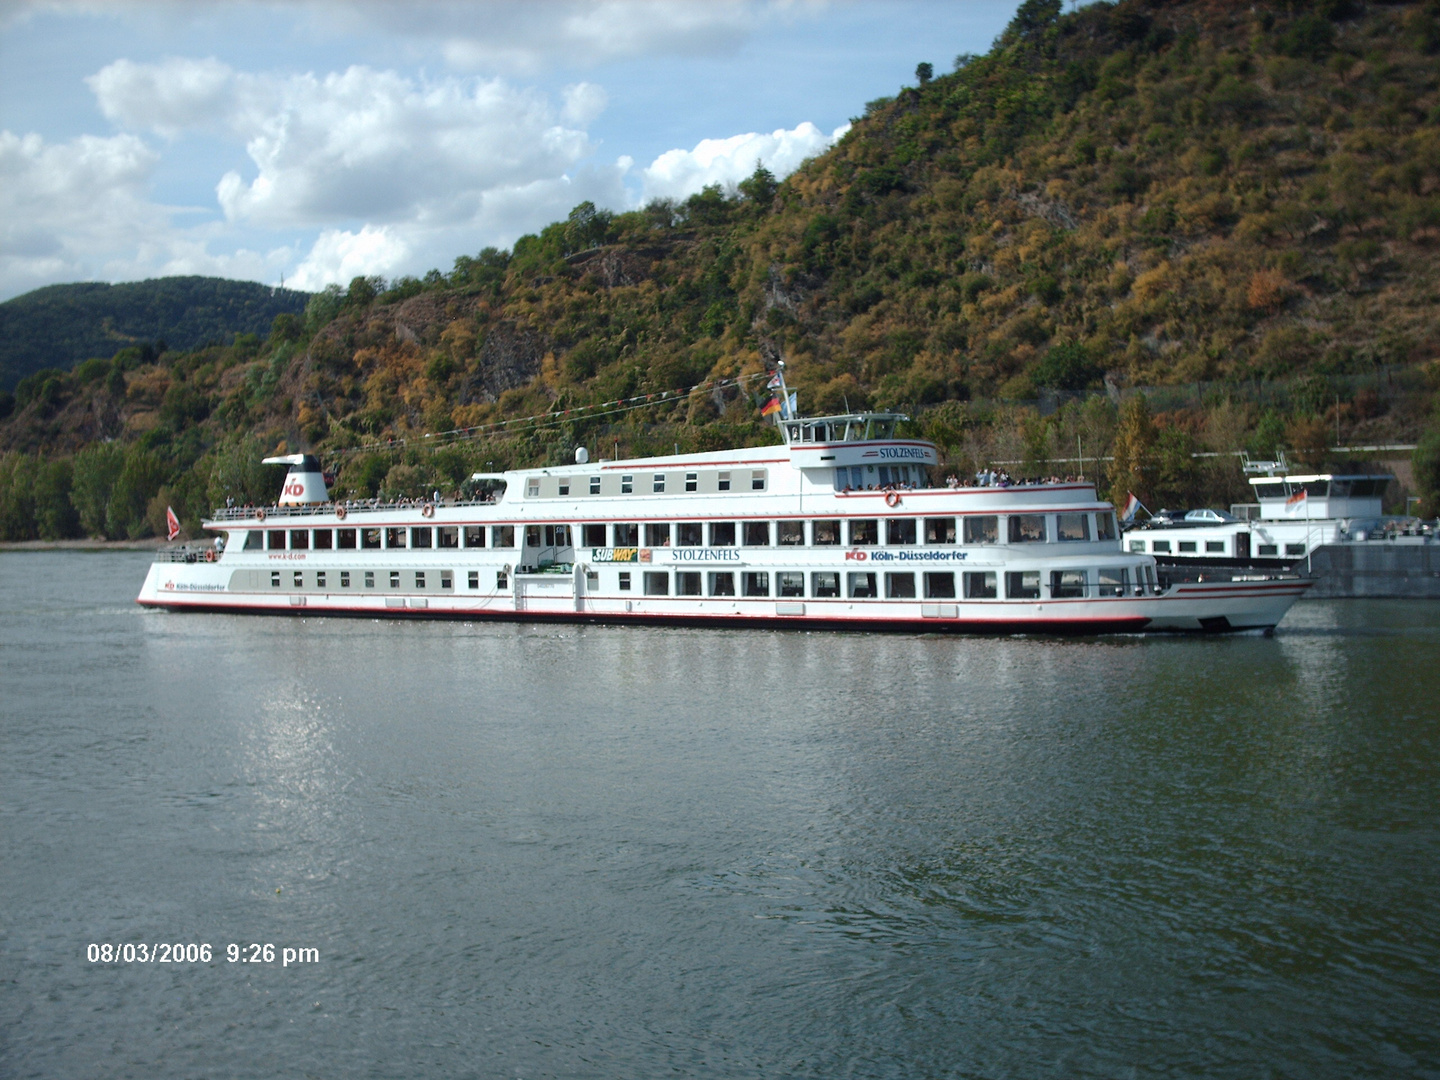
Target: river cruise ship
[(840, 526)]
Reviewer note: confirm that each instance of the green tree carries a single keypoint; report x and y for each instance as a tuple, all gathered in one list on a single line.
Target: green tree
[(1133, 467), (760, 187), (1425, 460), (95, 471), (142, 472), (55, 516), (924, 72)]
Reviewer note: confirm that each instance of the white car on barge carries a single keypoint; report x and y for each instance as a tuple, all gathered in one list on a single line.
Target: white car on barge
[(838, 527)]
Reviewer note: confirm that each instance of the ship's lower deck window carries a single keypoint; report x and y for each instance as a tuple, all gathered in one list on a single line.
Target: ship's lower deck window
[(657, 583), (939, 530), (689, 534), (980, 585), (757, 480), (657, 534), (370, 539), (940, 585), (324, 539), (592, 579), (864, 531), (1185, 545), (502, 580), (502, 536), (625, 534), (419, 579), (421, 536), (722, 534), (274, 579), (755, 583), (472, 579), (299, 579), (790, 583), (447, 536), (1027, 528), (790, 533), (369, 579), (532, 535), (1160, 545), (982, 529), (299, 539), (592, 535), (447, 579), (1294, 549), (860, 586), (900, 531), (900, 586), (1067, 584), (275, 540), (722, 583), (624, 581), (756, 533), (824, 584), (344, 579), (825, 533), (1137, 546), (474, 536), (254, 540), (1114, 581), (1215, 546), (394, 579), (687, 583), (1022, 584), (345, 539), (320, 579), (557, 535), (395, 536)]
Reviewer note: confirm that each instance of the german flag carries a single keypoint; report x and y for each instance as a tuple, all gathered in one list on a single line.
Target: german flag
[(770, 407)]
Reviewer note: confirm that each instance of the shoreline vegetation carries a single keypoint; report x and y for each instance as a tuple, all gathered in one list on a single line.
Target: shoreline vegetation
[(1134, 238)]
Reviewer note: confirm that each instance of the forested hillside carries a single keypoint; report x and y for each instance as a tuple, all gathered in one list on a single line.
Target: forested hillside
[(1137, 232), (61, 325)]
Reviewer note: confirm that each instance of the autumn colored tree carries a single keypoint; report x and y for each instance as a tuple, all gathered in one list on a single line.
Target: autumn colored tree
[(1133, 467)]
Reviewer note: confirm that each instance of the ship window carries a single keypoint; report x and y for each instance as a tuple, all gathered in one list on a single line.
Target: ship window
[(657, 534), (756, 534), (320, 579), (790, 583), (472, 580), (1113, 581), (532, 536), (1105, 526), (447, 536), (254, 540), (1027, 528), (370, 539), (825, 533), (1275, 490), (689, 534), (755, 583), (860, 586), (899, 530), (299, 579), (1072, 526), (344, 579), (395, 537), (1315, 487), (722, 483), (722, 534), (687, 583), (692, 481), (447, 579), (1294, 549), (592, 579), (369, 579), (557, 535), (594, 485), (624, 580), (939, 530), (627, 534), (419, 579), (1185, 545), (532, 487), (790, 534), (864, 531), (900, 586), (1215, 546), (1067, 584), (1160, 545), (421, 537), (824, 584), (757, 480), (940, 586), (324, 539), (274, 579), (980, 585), (1022, 584), (1137, 545), (592, 535), (502, 579), (982, 529), (502, 536), (657, 583), (564, 485), (394, 579), (659, 483), (722, 583), (299, 539), (275, 540), (627, 485)]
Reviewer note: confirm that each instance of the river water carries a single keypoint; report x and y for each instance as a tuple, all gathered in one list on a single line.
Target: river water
[(527, 851)]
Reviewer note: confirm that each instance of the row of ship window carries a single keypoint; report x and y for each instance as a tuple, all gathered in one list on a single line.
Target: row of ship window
[(823, 584), (856, 532), (1212, 547)]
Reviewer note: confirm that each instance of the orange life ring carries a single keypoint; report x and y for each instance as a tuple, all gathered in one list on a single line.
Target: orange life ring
[(892, 498), (209, 554), (340, 513), (260, 514), (428, 510)]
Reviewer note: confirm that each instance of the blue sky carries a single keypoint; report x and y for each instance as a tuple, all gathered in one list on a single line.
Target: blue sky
[(320, 140)]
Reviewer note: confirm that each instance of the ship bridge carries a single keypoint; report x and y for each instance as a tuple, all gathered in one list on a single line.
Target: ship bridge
[(858, 452)]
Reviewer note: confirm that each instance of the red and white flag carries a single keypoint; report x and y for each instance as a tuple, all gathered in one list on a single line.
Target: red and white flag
[(172, 524), (1297, 498), (1132, 504)]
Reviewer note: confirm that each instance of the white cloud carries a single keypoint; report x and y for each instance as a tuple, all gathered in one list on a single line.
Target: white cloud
[(584, 102), (677, 174), (166, 97), (340, 255)]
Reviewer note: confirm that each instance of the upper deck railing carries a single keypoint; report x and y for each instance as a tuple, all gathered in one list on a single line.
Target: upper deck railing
[(355, 506)]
